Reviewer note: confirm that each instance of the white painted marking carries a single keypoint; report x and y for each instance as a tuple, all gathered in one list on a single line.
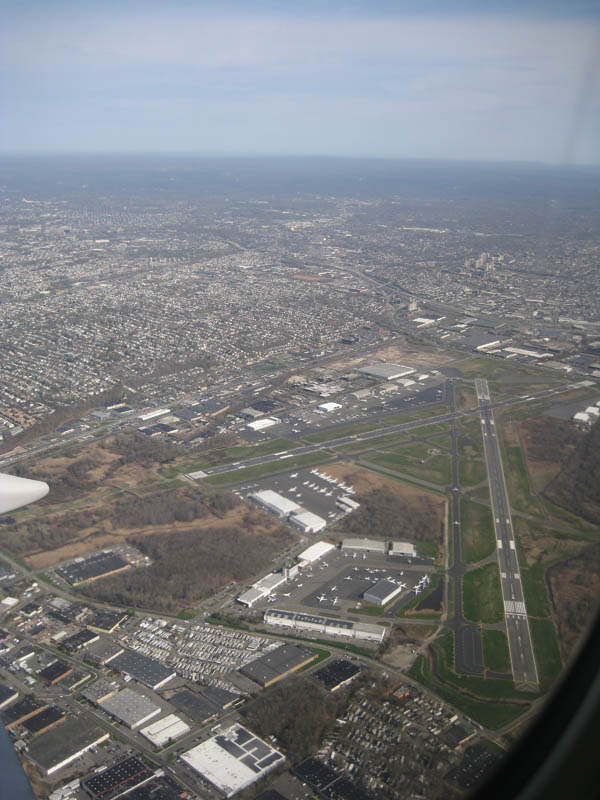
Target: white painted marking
[(499, 542), (512, 544)]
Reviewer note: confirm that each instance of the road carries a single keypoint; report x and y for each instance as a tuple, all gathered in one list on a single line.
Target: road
[(399, 428), (517, 624)]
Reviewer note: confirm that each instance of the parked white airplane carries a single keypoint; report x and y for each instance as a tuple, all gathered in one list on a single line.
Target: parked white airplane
[(321, 598)]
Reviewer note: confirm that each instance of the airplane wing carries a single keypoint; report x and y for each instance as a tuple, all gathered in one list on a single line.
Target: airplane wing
[(16, 492)]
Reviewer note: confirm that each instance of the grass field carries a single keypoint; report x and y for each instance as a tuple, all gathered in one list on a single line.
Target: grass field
[(488, 701), (233, 453), (435, 470), (471, 471), (547, 655), (338, 433), (321, 656), (477, 538), (515, 471), (386, 440), (496, 654), (482, 595), (248, 473), (534, 588)]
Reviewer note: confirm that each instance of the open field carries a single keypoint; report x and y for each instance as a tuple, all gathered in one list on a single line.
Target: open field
[(495, 651), (465, 395), (547, 655), (269, 468), (435, 469), (471, 471), (477, 539), (482, 595), (228, 454)]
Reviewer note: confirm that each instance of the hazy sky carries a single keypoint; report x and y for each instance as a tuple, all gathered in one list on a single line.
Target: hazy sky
[(483, 80)]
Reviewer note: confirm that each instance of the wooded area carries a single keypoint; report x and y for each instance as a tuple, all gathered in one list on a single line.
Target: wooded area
[(382, 513), (577, 485), (298, 712), (189, 566)]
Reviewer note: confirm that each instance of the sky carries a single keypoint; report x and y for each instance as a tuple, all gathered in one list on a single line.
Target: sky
[(489, 80)]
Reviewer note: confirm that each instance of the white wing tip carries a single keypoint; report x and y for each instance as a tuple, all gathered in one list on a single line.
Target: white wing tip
[(16, 492)]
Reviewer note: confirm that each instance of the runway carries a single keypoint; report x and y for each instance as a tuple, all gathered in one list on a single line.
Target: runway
[(517, 625)]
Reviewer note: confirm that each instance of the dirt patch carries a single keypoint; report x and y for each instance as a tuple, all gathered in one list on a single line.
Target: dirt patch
[(395, 353), (404, 643)]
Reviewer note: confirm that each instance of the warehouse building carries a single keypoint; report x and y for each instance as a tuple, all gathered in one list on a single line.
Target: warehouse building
[(261, 424), (385, 371), (114, 781), (44, 720), (104, 650), (21, 711), (100, 690), (382, 592), (7, 695), (347, 503), (130, 708), (79, 640), (89, 569), (233, 760), (165, 730), (313, 553), (262, 588), (328, 407), (55, 749), (404, 549), (55, 671), (365, 545), (142, 668), (198, 708), (327, 625), (337, 674), (275, 502), (277, 664), (307, 521)]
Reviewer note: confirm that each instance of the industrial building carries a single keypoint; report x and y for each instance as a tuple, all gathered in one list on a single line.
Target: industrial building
[(277, 664), (55, 671), (382, 592), (337, 674), (261, 588), (313, 553), (347, 503), (365, 545), (114, 781), (385, 371), (44, 720), (197, 708), (405, 549), (104, 650), (100, 690), (22, 710), (141, 668), (328, 407), (79, 640), (130, 708), (307, 521), (7, 695), (89, 569), (327, 625), (275, 502), (55, 749), (261, 424), (233, 760), (164, 730)]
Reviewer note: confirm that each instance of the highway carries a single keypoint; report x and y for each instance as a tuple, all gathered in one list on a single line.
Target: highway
[(517, 624), (399, 428)]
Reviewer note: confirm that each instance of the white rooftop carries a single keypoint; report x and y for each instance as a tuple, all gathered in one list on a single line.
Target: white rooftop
[(220, 759), (170, 727), (309, 520), (315, 551), (278, 501), (261, 424)]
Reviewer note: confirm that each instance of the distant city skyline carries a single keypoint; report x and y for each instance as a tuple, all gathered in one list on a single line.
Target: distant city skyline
[(490, 82)]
